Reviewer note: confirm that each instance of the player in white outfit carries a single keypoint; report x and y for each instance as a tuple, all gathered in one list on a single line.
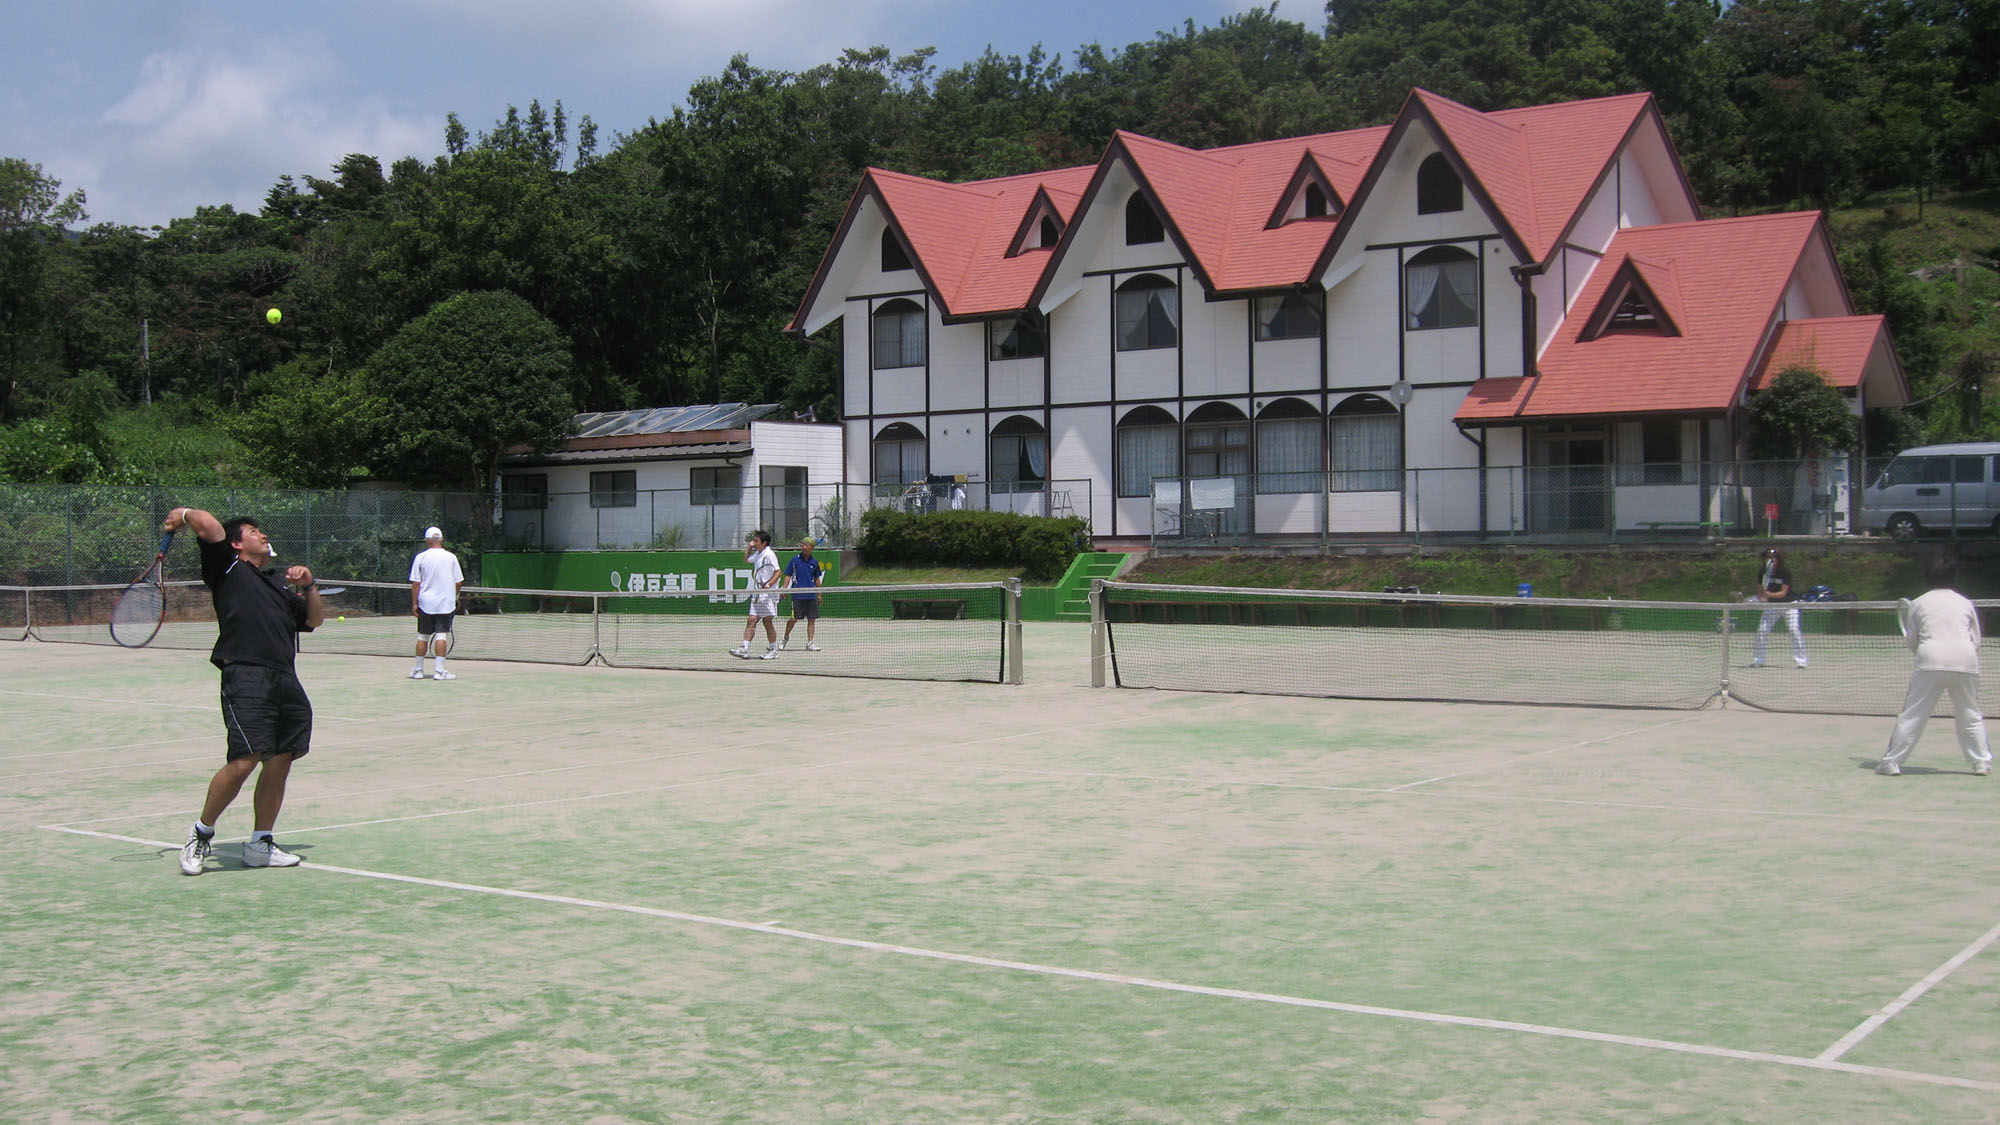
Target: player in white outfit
[(435, 578), (764, 576), (1942, 628)]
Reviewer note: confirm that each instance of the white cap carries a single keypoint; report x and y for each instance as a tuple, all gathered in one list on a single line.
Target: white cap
[(433, 533)]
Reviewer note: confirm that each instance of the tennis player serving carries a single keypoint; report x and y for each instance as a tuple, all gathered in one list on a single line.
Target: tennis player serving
[(265, 712)]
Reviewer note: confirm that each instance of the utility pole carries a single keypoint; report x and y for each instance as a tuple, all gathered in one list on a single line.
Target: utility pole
[(145, 362)]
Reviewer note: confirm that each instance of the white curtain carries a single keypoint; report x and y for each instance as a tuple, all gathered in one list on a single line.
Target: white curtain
[(1367, 453), (1037, 448), (1422, 283), (1463, 277), (1288, 455), (1145, 452)]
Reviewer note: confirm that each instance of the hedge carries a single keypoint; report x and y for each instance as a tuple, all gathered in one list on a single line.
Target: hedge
[(1041, 546)]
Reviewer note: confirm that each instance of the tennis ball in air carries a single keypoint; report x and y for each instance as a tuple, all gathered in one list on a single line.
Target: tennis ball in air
[(343, 617), (273, 315)]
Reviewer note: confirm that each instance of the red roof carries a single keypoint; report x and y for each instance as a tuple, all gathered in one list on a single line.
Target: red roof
[(1837, 347), (1536, 165), (1726, 279)]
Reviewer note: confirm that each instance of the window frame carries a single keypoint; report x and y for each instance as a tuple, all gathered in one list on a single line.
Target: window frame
[(1002, 477), (1446, 260), (1289, 306), (1440, 189), (1151, 424), (1292, 416), (710, 494), (1143, 224), (1024, 326), (529, 486), (608, 491), (895, 259), (1149, 291), (902, 436), (1369, 409), (902, 312)]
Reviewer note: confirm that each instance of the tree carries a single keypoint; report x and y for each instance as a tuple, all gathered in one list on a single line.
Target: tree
[(475, 375), (33, 213), (1799, 416)]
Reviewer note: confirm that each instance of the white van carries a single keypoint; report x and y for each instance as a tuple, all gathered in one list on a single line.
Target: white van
[(1936, 487)]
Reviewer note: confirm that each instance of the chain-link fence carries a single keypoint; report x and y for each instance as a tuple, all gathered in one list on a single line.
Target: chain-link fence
[(1573, 503), (67, 535)]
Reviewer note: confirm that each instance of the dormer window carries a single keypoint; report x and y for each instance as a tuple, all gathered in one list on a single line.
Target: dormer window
[(1634, 314), (1439, 189), (1142, 223), (893, 256), (1315, 201), (1046, 233)]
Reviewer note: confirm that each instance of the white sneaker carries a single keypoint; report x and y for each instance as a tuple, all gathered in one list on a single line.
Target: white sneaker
[(783, 645), (1982, 769), (1888, 769), (741, 652), (811, 647), (267, 853), (444, 676), (770, 653), (416, 673), (194, 853)]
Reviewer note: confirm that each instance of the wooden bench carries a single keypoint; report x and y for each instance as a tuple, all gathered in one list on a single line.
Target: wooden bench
[(936, 609), (1715, 528)]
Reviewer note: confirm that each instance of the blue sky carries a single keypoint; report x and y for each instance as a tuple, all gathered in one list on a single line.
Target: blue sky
[(156, 106)]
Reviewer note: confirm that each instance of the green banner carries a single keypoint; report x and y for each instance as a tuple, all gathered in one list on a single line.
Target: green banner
[(630, 572)]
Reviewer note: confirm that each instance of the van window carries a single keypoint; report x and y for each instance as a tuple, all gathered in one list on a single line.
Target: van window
[(1968, 470), (1915, 470)]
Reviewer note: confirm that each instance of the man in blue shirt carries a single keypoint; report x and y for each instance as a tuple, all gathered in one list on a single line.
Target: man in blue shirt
[(804, 573)]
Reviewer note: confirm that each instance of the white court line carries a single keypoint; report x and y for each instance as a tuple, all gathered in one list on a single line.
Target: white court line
[(1868, 1026), (154, 703), (122, 765), (101, 749), (1539, 753), (1129, 980)]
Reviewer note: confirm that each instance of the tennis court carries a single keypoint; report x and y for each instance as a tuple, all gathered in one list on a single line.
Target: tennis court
[(610, 894)]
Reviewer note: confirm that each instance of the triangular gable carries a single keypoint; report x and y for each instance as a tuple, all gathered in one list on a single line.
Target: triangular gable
[(1653, 286), (1042, 207), (1309, 173)]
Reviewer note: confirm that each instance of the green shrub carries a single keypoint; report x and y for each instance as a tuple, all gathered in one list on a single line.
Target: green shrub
[(1041, 547)]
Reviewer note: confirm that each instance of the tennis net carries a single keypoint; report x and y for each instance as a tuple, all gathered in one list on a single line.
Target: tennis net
[(1680, 655), (946, 631)]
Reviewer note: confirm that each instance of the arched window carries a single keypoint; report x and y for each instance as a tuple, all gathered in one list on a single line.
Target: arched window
[(1294, 316), (893, 257), (1148, 446), (900, 454), (898, 334), (1441, 288), (1216, 442), (1438, 187), (1049, 234), (1018, 456), (1142, 223), (1315, 201), (1365, 446), (1149, 313), (1288, 447)]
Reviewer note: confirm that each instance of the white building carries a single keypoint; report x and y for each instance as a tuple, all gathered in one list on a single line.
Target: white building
[(694, 477), (1456, 322)]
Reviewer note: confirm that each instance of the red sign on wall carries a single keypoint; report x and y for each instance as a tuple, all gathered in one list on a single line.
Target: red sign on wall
[(1770, 511)]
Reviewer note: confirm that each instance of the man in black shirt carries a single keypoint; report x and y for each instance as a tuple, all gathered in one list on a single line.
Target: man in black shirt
[(264, 708)]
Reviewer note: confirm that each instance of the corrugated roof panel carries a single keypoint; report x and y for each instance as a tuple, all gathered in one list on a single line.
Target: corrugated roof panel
[(671, 419)]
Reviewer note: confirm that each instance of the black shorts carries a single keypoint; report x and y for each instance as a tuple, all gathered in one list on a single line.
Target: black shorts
[(428, 623), (266, 712), (805, 609)]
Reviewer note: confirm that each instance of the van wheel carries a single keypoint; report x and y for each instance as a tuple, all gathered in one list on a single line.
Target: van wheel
[(1903, 526)]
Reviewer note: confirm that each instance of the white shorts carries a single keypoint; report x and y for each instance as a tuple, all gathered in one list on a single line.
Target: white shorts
[(764, 605)]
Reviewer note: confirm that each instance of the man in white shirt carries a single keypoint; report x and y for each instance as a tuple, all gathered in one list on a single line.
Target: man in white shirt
[(435, 578), (764, 576), (1942, 628)]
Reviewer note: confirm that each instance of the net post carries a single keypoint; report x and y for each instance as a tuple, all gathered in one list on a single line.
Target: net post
[(1097, 632), (1011, 595), (1728, 629), (596, 630)]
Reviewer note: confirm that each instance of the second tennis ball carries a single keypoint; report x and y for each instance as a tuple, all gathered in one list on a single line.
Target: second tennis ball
[(274, 316)]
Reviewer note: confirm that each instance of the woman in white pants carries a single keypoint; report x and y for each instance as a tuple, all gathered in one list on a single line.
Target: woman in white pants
[(1942, 628), (1774, 588)]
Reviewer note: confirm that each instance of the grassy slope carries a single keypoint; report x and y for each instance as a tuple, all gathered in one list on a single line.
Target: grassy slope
[(1715, 574)]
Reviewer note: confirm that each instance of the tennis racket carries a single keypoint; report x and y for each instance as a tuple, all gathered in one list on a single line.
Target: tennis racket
[(140, 609)]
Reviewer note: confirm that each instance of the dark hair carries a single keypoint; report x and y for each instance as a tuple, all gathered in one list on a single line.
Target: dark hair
[(232, 528), (1940, 571), (761, 536)]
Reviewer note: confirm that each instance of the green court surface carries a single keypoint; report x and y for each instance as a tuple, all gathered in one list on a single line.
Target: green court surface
[(545, 893)]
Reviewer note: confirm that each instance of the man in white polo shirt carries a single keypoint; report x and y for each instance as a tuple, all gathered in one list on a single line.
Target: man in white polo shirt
[(1942, 629), (434, 581)]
